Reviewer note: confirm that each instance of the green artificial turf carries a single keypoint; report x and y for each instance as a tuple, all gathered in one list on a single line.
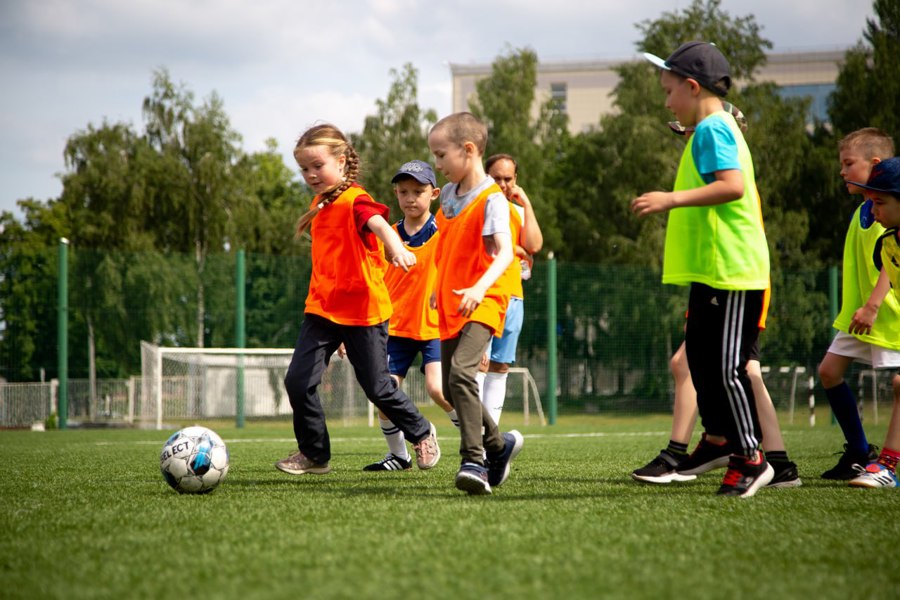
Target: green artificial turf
[(86, 514)]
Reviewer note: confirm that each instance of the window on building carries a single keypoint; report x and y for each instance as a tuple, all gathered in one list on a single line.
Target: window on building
[(817, 93), (558, 95)]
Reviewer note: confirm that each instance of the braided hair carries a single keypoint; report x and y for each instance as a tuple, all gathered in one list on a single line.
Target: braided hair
[(330, 136)]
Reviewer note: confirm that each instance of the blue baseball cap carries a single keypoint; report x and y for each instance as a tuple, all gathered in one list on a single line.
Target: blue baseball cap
[(885, 178), (419, 170)]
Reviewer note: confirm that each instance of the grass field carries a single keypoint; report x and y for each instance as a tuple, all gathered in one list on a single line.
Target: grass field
[(86, 514)]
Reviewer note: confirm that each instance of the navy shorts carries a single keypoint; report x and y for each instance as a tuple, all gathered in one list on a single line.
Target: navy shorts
[(402, 352)]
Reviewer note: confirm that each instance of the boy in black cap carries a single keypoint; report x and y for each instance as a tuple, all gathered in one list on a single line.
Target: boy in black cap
[(414, 324), (883, 188), (715, 244)]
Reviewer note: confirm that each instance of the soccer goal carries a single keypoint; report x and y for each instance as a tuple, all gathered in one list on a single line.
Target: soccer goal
[(181, 384)]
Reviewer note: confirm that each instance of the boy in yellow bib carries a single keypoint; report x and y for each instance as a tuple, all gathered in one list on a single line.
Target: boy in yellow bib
[(715, 244)]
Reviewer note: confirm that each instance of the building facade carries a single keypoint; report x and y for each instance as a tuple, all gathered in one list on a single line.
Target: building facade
[(585, 87)]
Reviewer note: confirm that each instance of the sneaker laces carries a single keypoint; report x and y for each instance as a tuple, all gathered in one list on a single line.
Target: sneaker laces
[(732, 476)]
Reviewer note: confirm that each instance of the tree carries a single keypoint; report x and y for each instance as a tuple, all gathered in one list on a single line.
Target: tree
[(197, 151), (867, 93), (397, 133), (532, 131)]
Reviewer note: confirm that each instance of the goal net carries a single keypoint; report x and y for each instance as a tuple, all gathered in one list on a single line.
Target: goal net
[(180, 384)]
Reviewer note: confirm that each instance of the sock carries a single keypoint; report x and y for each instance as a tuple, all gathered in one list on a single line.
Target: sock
[(395, 439), (843, 405), (677, 449), (889, 458), (453, 418), (494, 394), (479, 377), (777, 456)]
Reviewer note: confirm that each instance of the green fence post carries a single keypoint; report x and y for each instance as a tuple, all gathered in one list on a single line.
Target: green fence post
[(833, 303), (551, 338), (62, 332), (240, 334)]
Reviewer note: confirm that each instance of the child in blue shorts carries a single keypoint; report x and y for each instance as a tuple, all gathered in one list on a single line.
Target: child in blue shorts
[(414, 324)]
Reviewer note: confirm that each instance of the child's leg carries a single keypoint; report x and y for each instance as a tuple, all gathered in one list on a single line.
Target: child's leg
[(891, 450), (768, 419), (434, 388), (460, 357), (684, 411), (367, 351), (883, 472), (721, 330), (396, 441), (316, 343), (843, 401), (503, 354)]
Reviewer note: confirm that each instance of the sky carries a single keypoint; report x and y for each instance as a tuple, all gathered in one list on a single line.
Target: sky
[(281, 66)]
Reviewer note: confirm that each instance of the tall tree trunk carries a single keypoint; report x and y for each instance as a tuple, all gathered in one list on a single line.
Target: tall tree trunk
[(201, 297)]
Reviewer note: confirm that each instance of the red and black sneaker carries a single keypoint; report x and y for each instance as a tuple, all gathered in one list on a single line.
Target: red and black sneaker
[(746, 475)]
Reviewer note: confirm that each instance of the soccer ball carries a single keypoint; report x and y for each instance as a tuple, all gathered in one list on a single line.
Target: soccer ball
[(194, 460)]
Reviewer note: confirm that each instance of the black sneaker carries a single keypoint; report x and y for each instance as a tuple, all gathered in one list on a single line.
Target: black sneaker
[(391, 462), (851, 464), (473, 479), (705, 457), (498, 464), (786, 475), (662, 469), (745, 476)]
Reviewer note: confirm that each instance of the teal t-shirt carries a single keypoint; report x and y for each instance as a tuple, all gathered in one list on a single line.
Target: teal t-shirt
[(722, 246)]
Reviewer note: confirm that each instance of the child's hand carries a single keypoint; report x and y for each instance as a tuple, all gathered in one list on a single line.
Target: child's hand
[(651, 202), (432, 301), (469, 300), (403, 259), (863, 319), (342, 351)]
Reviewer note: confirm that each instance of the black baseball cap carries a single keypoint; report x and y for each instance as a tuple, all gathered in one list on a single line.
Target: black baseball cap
[(700, 61)]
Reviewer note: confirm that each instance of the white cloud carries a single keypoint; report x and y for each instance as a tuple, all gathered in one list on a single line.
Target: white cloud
[(282, 65)]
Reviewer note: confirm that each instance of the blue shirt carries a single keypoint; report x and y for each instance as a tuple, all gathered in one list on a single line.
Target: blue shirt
[(714, 149), (421, 236)]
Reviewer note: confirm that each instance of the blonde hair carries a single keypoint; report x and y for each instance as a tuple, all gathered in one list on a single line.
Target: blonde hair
[(871, 142), (330, 136), (464, 127)]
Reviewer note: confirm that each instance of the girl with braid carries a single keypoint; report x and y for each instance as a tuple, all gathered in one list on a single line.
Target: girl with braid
[(347, 304)]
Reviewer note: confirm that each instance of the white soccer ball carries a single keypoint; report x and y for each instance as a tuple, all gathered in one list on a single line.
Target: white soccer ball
[(194, 460)]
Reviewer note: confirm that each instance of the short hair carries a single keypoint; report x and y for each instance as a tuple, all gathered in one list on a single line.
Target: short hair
[(871, 142), (493, 158), (464, 127)]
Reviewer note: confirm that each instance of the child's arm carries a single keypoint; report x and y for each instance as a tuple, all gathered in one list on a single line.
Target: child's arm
[(728, 186), (864, 317), (471, 297), (393, 246)]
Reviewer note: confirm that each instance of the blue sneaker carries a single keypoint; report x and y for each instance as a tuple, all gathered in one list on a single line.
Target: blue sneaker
[(473, 479), (498, 464), (876, 475)]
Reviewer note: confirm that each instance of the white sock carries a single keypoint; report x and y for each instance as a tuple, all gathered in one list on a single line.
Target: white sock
[(494, 394), (479, 377), (395, 439), (453, 418)]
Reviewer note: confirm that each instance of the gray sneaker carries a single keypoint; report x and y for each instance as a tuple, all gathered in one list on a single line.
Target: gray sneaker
[(473, 479), (428, 453), (298, 464)]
